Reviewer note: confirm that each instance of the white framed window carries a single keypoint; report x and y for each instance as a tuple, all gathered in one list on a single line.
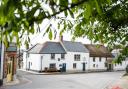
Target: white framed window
[(94, 65), (62, 56), (53, 56), (52, 65), (94, 59), (77, 57), (100, 59)]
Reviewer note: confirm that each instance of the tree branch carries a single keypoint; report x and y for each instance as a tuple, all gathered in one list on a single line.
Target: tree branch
[(66, 8)]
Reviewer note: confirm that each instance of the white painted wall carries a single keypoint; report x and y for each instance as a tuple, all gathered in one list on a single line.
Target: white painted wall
[(121, 66), (35, 59), (84, 57), (99, 65)]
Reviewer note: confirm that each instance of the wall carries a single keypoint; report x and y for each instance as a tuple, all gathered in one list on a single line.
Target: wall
[(98, 65), (121, 66), (35, 59), (24, 60), (84, 57)]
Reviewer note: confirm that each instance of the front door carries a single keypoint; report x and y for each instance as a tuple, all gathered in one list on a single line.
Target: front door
[(64, 67), (9, 71), (84, 66), (110, 67)]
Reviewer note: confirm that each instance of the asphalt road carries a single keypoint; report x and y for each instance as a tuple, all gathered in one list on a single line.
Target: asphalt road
[(69, 81)]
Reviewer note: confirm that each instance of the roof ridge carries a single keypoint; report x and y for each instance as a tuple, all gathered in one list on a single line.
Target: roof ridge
[(73, 41)]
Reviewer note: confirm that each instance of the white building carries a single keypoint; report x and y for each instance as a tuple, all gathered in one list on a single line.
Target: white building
[(100, 58), (123, 64), (54, 56)]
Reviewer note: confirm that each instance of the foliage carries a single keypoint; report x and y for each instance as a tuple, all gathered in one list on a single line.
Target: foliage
[(104, 21)]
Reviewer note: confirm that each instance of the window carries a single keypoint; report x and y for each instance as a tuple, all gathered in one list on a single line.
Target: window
[(99, 59), (93, 65), (52, 65), (52, 56), (74, 65), (93, 59), (77, 57), (62, 56), (106, 64)]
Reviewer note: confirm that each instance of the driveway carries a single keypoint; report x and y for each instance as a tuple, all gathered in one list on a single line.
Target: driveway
[(98, 80)]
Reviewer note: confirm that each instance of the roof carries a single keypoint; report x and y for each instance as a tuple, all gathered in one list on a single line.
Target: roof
[(47, 48), (98, 50), (74, 46)]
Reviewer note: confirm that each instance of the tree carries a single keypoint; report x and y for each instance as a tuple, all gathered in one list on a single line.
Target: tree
[(105, 21)]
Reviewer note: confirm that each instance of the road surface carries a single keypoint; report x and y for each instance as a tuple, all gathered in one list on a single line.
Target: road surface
[(98, 80)]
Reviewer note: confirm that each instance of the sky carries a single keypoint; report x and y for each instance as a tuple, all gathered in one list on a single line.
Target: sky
[(39, 38)]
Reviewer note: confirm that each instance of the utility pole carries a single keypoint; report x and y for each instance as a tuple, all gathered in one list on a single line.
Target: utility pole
[(1, 59)]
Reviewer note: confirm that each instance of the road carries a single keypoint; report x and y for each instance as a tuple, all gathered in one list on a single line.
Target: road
[(69, 81)]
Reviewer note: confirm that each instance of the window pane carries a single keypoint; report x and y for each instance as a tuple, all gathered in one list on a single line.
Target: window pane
[(100, 59), (93, 59), (53, 65), (62, 56), (52, 56)]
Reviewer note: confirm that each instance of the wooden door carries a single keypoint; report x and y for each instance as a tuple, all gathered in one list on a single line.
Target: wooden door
[(9, 71)]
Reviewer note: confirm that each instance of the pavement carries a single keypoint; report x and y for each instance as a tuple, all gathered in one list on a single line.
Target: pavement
[(14, 82), (55, 73), (122, 83)]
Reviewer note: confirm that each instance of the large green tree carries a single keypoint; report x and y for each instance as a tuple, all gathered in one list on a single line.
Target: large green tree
[(104, 21)]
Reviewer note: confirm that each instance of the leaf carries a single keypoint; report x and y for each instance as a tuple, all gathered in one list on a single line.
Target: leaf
[(71, 13), (88, 11), (108, 1), (47, 30), (50, 34), (75, 1), (65, 12), (31, 13), (98, 7)]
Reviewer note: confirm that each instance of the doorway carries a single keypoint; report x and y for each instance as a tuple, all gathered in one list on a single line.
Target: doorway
[(9, 71), (84, 65), (64, 67)]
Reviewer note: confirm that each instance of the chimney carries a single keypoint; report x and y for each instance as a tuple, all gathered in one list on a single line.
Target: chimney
[(60, 38)]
